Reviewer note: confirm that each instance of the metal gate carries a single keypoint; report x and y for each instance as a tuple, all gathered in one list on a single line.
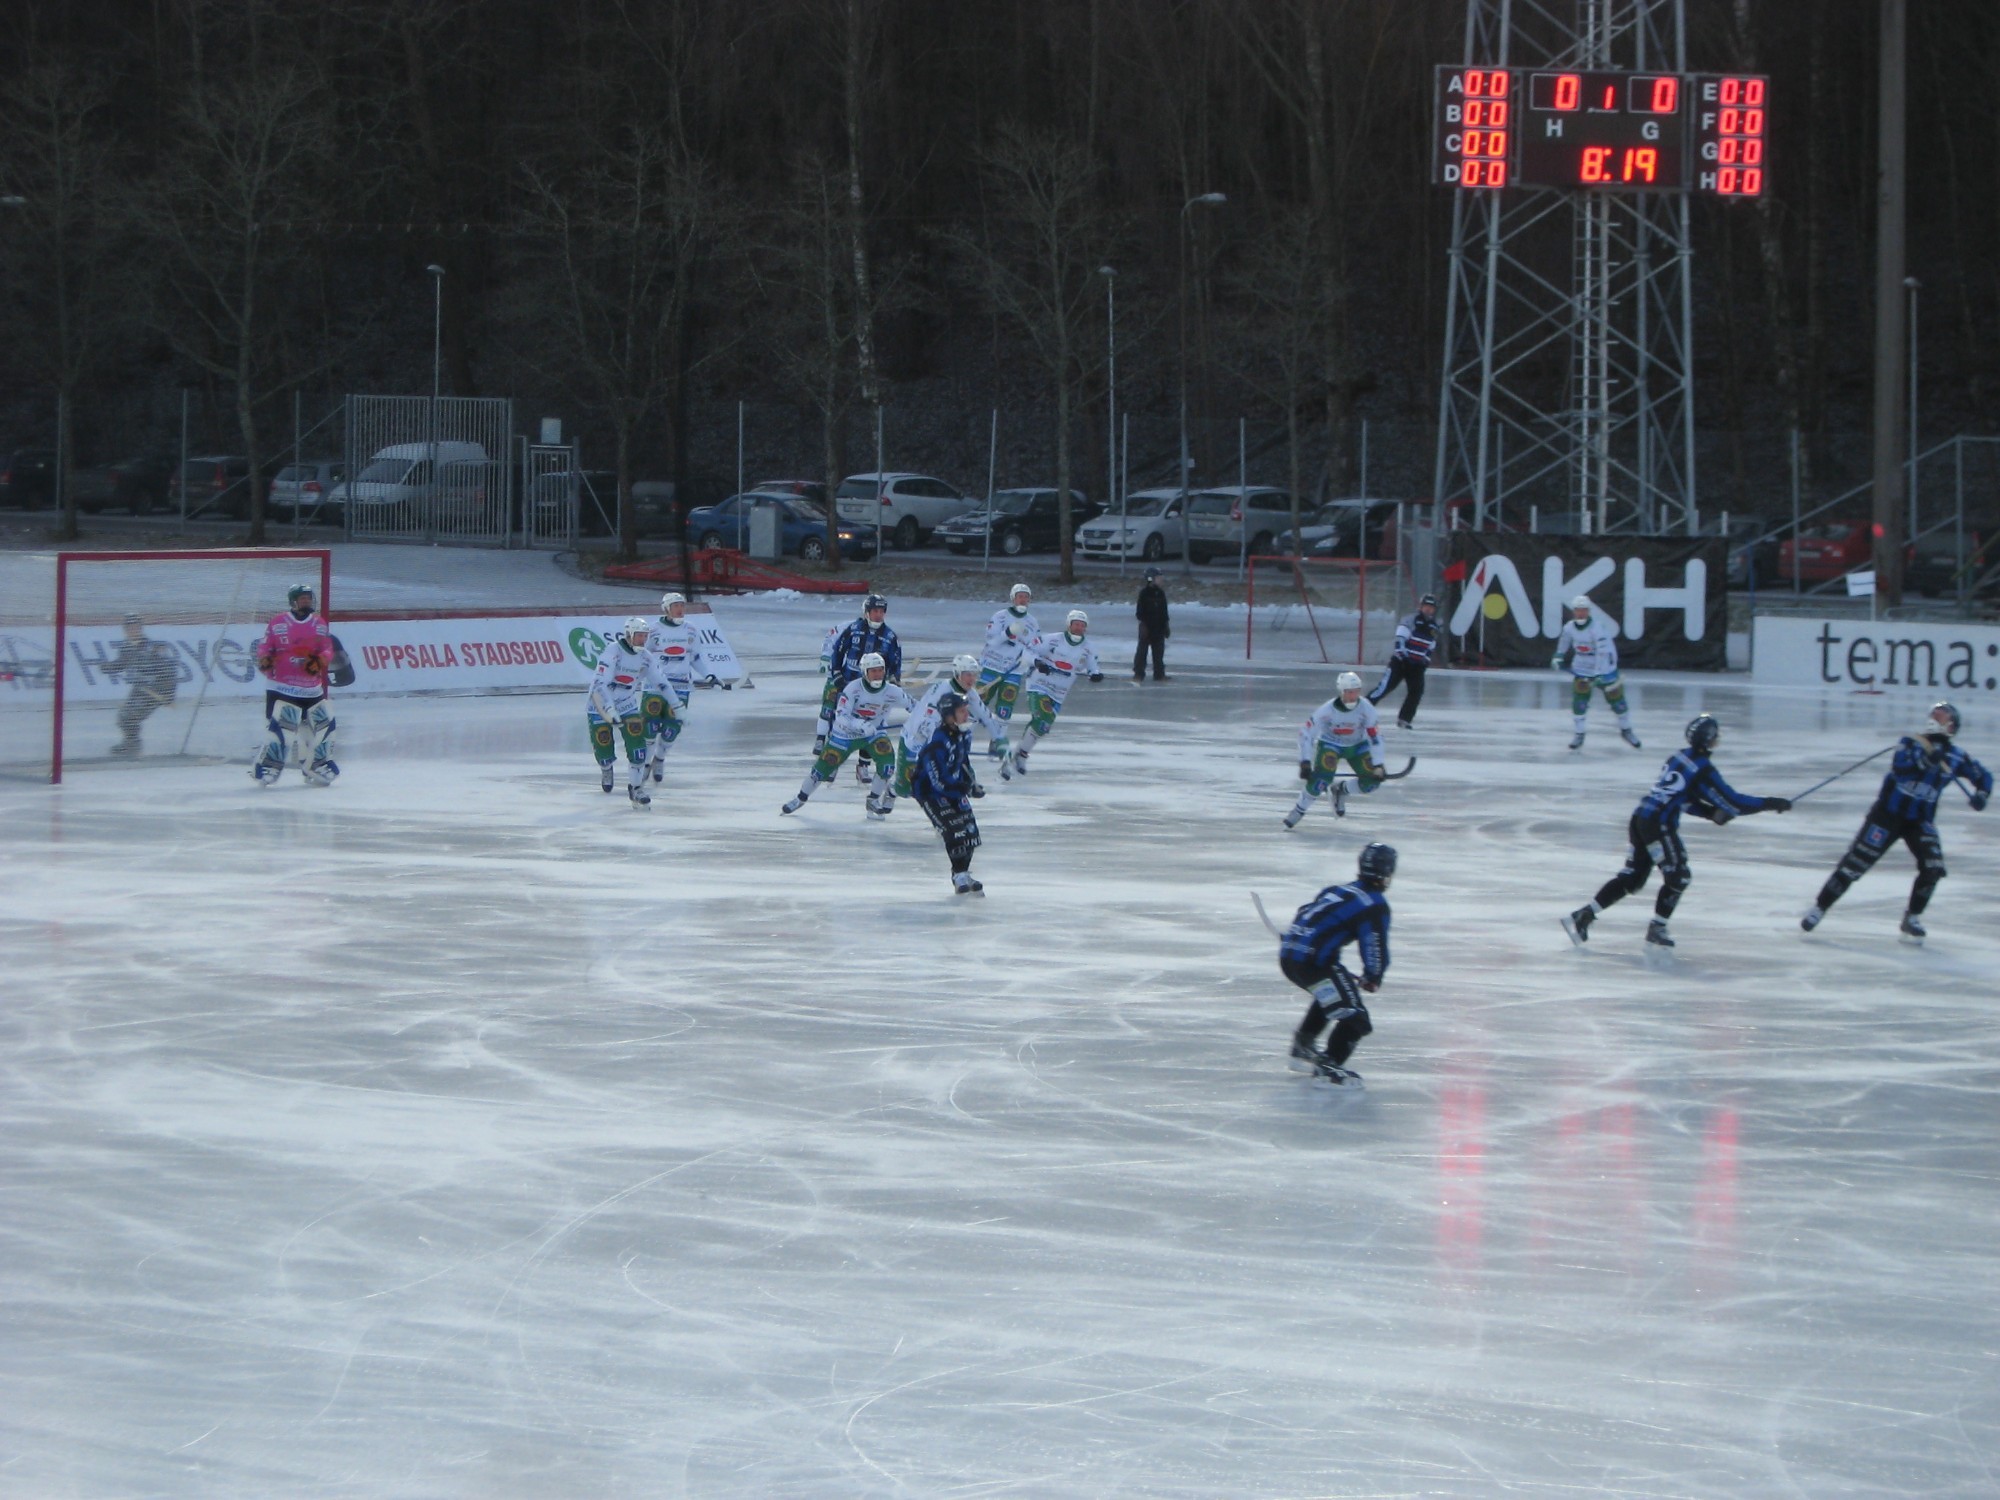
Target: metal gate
[(550, 495), (424, 470)]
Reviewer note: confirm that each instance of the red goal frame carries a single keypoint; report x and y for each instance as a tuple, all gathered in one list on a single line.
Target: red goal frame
[(210, 554), (1295, 568)]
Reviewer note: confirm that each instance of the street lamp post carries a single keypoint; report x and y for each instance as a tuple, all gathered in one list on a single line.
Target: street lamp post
[(1913, 286), (1209, 200), (437, 364), (1110, 276)]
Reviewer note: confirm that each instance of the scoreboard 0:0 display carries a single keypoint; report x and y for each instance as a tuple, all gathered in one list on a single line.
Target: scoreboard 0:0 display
[(1601, 130)]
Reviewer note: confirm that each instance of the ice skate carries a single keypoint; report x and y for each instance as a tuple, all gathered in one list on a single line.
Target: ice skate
[(1912, 928), (794, 805), (1304, 1059), (637, 794), (1292, 818), (1811, 919), (1577, 925), (1020, 763), (1404, 724), (1340, 799), (963, 884), (1333, 1075), (659, 770), (320, 773), (1630, 738), (876, 811), (1576, 740), (1657, 934), (266, 772), (1007, 769), (125, 749), (607, 777)]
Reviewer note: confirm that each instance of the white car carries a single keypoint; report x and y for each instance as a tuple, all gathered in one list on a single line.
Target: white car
[(909, 506), (1150, 528)]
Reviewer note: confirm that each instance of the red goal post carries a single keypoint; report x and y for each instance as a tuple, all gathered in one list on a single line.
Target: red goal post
[(205, 606), (1329, 596)]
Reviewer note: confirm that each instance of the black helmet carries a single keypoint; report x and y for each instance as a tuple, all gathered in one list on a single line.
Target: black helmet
[(1703, 732), (1429, 601), (873, 601), (949, 704), (1152, 575), (1377, 864)]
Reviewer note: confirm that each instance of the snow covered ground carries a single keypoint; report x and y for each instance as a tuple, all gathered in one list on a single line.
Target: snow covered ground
[(461, 1132)]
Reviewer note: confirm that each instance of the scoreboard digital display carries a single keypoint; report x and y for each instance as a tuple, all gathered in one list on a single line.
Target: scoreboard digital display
[(1600, 131)]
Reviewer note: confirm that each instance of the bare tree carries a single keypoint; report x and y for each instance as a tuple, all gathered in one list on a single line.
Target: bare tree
[(247, 164), (61, 286), (1038, 263), (617, 226)]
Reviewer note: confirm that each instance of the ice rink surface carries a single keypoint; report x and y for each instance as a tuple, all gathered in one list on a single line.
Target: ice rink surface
[(460, 1131)]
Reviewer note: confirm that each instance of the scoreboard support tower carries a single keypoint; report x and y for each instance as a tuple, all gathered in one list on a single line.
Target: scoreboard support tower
[(1568, 374)]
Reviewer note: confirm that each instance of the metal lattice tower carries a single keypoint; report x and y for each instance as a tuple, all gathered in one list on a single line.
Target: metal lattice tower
[(1568, 381)]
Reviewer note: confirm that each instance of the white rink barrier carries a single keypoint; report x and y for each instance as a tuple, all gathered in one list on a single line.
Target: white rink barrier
[(1942, 660), (465, 654)]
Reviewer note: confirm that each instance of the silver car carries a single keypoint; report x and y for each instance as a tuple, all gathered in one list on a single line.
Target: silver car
[(1236, 518), (304, 491), (1149, 528)]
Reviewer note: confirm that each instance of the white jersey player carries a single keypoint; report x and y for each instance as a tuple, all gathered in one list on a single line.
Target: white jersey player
[(1344, 729), (923, 723), (615, 708), (678, 665), (1593, 663), (860, 722), (1057, 662), (1010, 638)]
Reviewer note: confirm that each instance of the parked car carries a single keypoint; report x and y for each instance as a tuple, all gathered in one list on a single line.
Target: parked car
[(1752, 549), (393, 484), (806, 489), (1020, 521), (911, 506), (1934, 565), (1344, 528), (1148, 527), (304, 491), (134, 484), (214, 485), (28, 477), (1217, 521), (1826, 550), (801, 527)]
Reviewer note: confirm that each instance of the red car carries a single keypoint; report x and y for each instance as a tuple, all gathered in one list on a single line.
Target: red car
[(1827, 550)]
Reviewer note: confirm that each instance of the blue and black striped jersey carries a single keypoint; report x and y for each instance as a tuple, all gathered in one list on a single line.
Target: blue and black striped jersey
[(1337, 916), (1690, 779), (1918, 775), (855, 642)]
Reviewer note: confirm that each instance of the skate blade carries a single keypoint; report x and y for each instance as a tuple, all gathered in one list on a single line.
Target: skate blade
[(1342, 1081), (1908, 941), (1575, 933)]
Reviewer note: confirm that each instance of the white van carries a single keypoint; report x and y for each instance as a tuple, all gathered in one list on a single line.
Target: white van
[(391, 485)]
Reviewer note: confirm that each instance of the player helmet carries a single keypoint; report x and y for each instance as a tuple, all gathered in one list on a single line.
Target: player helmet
[(948, 705), (667, 603), (1703, 732), (1347, 682), (1078, 622), (872, 665), (1429, 601), (1015, 596), (636, 629), (1941, 717), (298, 591), (1377, 865), (874, 602), (1152, 575), (963, 663), (1581, 605)]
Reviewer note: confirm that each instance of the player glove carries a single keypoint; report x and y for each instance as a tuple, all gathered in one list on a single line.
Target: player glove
[(1979, 802), (1370, 983), (313, 664), (1778, 804), (977, 790), (1305, 770), (1555, 663), (1097, 677)]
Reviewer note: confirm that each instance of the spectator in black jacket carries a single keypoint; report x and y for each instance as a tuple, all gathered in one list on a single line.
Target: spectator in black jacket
[(1153, 629)]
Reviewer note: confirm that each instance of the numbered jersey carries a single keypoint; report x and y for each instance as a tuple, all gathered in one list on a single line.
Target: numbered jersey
[(1592, 651), (295, 654), (1339, 916), (923, 720), (677, 660), (863, 712), (1344, 726), (1690, 782), (621, 676), (1058, 661), (1010, 635)]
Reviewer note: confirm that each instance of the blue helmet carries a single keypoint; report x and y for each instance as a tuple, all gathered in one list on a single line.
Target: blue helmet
[(1377, 865), (1703, 732)]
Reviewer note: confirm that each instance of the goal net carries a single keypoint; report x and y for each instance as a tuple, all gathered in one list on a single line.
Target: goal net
[(1320, 609), (119, 659)]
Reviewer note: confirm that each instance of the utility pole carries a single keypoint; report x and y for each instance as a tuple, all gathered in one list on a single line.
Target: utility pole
[(1890, 350)]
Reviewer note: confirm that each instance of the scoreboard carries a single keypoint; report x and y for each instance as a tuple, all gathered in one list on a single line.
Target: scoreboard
[(1600, 131)]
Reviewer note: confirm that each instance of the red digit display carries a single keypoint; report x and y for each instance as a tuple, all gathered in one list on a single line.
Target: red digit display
[(1605, 130), (1729, 125), (1474, 138)]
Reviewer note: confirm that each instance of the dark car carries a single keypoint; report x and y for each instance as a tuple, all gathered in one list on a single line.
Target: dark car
[(214, 485), (1027, 520), (802, 527), (1934, 564), (1753, 551), (134, 484), (28, 477)]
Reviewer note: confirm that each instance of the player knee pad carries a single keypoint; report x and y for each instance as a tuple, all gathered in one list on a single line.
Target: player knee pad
[(827, 764), (285, 719), (601, 737)]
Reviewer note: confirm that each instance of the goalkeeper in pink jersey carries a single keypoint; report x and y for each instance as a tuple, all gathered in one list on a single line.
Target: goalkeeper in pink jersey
[(294, 655)]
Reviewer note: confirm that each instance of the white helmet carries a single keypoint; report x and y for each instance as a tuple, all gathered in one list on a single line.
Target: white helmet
[(1077, 617), (873, 662), (1019, 588), (1581, 604), (638, 628), (1347, 682), (668, 601), (964, 663)]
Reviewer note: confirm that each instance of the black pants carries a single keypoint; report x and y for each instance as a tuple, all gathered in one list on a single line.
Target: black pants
[(1348, 1016), (140, 704), (1401, 669), (1651, 845), (1878, 834), (1153, 639), (956, 826)]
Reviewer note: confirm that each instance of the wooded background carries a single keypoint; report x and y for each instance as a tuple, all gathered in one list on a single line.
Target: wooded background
[(650, 210)]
